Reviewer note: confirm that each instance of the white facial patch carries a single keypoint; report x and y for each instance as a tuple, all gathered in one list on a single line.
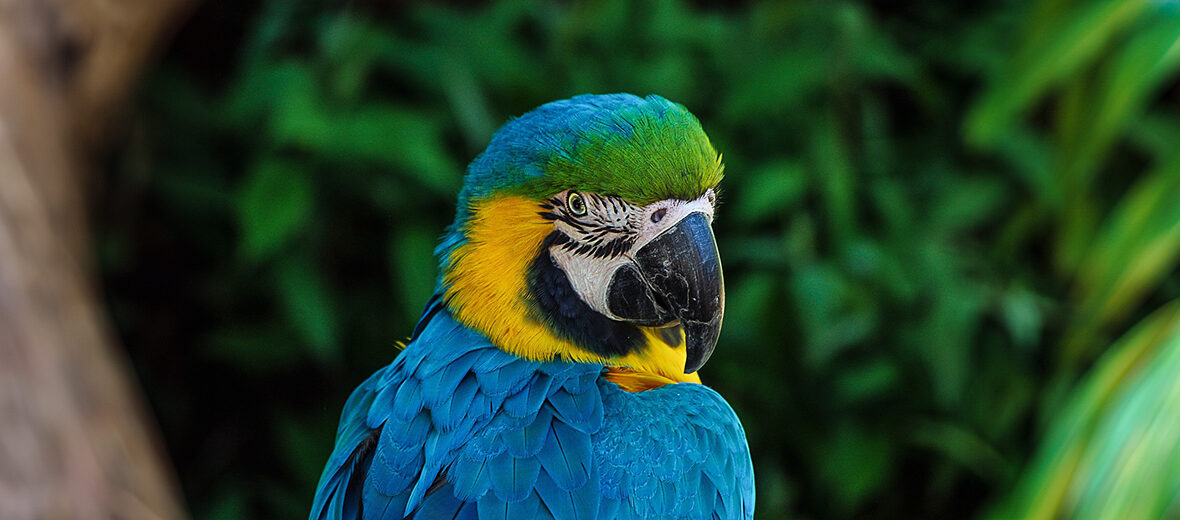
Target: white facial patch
[(607, 235)]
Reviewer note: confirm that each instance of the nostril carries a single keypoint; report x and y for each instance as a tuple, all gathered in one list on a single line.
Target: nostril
[(659, 215)]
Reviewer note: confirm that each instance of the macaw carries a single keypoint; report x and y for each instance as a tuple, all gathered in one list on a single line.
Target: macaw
[(553, 374)]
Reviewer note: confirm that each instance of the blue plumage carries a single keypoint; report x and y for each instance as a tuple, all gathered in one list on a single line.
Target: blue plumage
[(456, 428)]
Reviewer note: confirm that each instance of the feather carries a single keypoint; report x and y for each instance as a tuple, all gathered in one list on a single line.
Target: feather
[(492, 507), (566, 456), (529, 440), (512, 478), (378, 505), (581, 411), (580, 503), (450, 412), (529, 399), (431, 468), (394, 468), (508, 380), (440, 504), (440, 387), (408, 400), (469, 511), (470, 478), (608, 507), (492, 359)]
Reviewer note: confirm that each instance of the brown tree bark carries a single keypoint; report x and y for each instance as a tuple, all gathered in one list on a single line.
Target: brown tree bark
[(76, 440)]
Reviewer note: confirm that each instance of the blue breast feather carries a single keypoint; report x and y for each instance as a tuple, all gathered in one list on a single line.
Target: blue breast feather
[(455, 428)]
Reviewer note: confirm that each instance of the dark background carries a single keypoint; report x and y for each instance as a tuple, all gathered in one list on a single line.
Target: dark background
[(937, 221)]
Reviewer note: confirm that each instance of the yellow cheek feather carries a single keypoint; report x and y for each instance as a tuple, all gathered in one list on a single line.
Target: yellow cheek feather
[(486, 289)]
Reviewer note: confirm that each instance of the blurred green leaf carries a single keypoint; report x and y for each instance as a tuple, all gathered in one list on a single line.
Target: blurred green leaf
[(282, 89), (833, 173), (1050, 55), (771, 189), (854, 464), (1155, 133), (1148, 58), (1112, 451), (469, 104), (773, 84), (277, 21), (1138, 244), (273, 204), (832, 321), (350, 45), (255, 349), (955, 315), (866, 381), (747, 306), (309, 307), (964, 448), (888, 196), (229, 505), (777, 489), (873, 52), (303, 448), (414, 266), (407, 140), (1022, 316), (194, 191), (489, 44), (1032, 163), (968, 203)]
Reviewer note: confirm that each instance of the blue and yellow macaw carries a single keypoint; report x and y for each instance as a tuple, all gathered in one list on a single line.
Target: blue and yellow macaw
[(553, 375)]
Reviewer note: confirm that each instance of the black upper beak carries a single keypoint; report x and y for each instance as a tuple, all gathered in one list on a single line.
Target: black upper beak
[(676, 278)]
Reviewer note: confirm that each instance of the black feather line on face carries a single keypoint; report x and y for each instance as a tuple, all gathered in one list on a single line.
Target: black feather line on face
[(558, 305), (599, 235)]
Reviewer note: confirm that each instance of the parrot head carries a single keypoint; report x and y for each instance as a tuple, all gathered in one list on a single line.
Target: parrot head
[(583, 232)]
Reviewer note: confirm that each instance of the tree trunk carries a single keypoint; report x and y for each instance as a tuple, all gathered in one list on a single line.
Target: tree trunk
[(76, 440)]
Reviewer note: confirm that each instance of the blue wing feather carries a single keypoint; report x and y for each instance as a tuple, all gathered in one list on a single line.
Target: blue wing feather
[(491, 507), (580, 503), (451, 412), (529, 440), (470, 478), (580, 410), (440, 505), (513, 478), (567, 456), (469, 512), (529, 401)]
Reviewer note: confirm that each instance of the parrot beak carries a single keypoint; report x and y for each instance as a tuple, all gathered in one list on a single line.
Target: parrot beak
[(679, 272)]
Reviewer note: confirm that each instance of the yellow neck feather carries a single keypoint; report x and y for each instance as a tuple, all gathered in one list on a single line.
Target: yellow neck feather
[(486, 287)]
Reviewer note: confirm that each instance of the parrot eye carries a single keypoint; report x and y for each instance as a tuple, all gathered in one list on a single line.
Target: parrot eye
[(659, 215), (576, 204)]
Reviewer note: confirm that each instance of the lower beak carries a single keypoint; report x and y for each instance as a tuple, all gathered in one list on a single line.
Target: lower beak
[(676, 278)]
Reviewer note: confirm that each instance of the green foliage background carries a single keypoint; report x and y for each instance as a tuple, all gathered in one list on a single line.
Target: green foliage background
[(937, 221)]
